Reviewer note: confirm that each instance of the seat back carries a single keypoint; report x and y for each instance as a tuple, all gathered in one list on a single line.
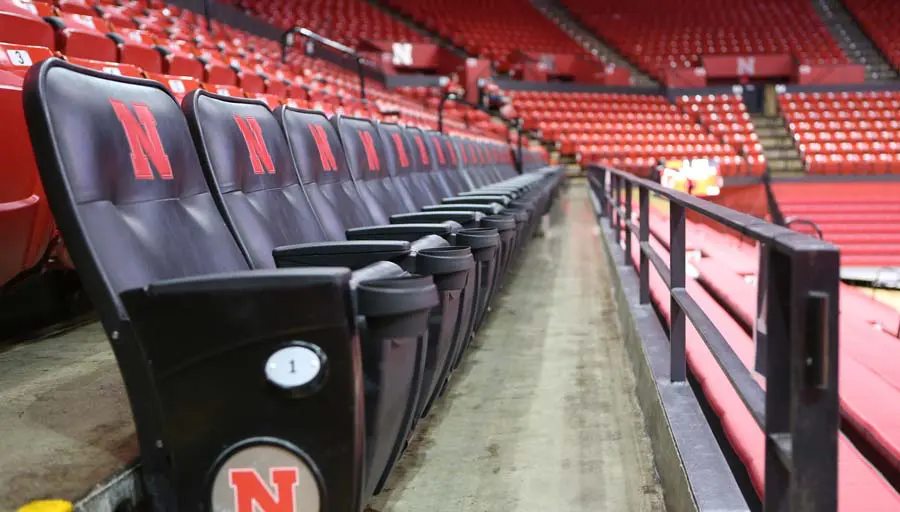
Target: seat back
[(250, 172), (470, 166), (368, 166), (428, 164), (21, 23), (124, 182), (453, 166), (323, 170), (400, 161)]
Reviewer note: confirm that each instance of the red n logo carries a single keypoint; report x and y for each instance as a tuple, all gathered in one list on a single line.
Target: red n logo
[(324, 148), (401, 149), (260, 159), (251, 494), (452, 153), (143, 141), (369, 146), (440, 150), (422, 151)]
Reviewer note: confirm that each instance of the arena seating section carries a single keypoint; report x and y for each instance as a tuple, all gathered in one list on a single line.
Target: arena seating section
[(879, 19), (633, 131), (846, 132), (494, 29), (345, 21), (171, 45), (656, 37)]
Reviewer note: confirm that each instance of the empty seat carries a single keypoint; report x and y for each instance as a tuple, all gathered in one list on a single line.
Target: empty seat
[(22, 23), (83, 36), (172, 285)]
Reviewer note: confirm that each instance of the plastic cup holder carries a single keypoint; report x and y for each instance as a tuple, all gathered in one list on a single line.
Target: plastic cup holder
[(399, 307)]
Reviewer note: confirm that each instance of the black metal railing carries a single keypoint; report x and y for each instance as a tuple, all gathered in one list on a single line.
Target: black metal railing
[(319, 46), (797, 326)]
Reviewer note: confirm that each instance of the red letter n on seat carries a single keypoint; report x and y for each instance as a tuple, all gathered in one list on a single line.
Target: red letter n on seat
[(143, 141), (251, 494), (440, 150), (423, 153), (371, 154), (324, 148), (401, 150), (260, 159)]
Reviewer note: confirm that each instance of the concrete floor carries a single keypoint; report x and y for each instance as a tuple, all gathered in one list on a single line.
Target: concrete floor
[(541, 416), (65, 423)]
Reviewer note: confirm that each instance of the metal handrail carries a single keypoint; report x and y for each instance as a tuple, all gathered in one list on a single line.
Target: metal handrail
[(796, 331), (288, 39), (790, 221)]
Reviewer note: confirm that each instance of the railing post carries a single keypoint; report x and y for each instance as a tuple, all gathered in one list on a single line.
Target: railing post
[(644, 237), (617, 198), (362, 78), (760, 338), (601, 189), (677, 371), (627, 222), (802, 407)]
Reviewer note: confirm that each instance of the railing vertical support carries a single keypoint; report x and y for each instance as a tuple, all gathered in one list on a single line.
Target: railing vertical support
[(802, 406), (600, 183), (616, 202), (627, 222), (677, 246), (760, 337), (644, 274), (362, 78)]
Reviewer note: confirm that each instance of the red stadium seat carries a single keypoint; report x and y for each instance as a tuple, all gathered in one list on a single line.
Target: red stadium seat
[(83, 36)]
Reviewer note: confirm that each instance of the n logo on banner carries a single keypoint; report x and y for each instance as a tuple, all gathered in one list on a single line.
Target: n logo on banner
[(440, 150), (252, 494), (403, 54), (422, 151), (371, 154), (260, 159), (401, 150), (746, 66), (324, 148), (143, 141)]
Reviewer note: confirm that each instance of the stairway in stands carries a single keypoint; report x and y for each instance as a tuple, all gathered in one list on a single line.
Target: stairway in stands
[(568, 22), (778, 145), (863, 220), (853, 41)]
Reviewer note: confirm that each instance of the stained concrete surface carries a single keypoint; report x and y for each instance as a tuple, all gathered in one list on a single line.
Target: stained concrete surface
[(542, 415), (65, 423)]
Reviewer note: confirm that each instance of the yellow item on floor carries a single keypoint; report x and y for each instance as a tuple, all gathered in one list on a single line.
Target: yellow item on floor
[(47, 506)]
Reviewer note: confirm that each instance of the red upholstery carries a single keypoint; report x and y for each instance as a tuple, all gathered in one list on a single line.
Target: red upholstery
[(845, 133), (657, 37), (861, 487), (346, 21), (21, 23), (84, 36), (491, 28), (26, 227), (880, 19), (867, 368), (627, 131), (179, 85), (137, 47)]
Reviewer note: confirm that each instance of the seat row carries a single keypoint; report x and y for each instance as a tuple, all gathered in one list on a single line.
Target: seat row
[(286, 295)]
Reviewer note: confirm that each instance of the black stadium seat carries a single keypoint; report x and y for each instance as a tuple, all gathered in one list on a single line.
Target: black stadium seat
[(367, 163), (251, 173), (224, 363)]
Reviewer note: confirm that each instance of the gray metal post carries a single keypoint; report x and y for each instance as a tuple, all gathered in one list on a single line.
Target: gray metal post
[(677, 246)]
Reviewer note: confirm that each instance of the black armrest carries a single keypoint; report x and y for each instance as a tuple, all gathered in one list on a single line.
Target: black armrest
[(182, 319), (351, 254), (500, 191), (487, 209), (465, 219), (486, 198), (408, 232)]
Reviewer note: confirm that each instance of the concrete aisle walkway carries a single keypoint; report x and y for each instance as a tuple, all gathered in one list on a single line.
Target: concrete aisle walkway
[(542, 415)]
